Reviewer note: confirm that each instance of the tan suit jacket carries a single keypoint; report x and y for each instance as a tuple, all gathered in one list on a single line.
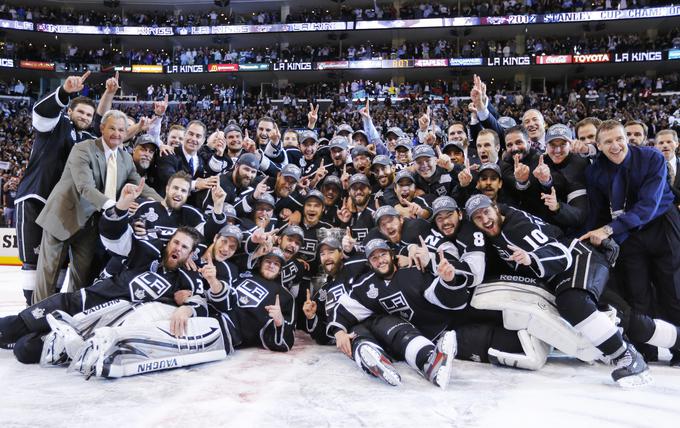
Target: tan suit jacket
[(80, 191)]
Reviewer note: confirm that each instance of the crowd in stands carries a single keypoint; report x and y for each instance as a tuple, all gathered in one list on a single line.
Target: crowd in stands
[(73, 54), (383, 11)]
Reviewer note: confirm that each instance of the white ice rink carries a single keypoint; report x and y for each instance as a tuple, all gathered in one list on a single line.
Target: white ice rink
[(314, 386)]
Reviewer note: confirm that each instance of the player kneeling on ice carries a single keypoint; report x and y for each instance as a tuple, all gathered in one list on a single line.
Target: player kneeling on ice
[(408, 310), (577, 276)]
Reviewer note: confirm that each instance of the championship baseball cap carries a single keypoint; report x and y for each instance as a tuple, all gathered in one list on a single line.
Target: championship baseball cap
[(344, 128), (266, 198), (230, 212), (443, 204), (292, 171), (338, 142), (275, 252), (382, 160), (375, 244), (308, 135), (558, 132), (456, 145), (360, 151), (331, 242), (231, 128), (359, 178), (231, 231), (147, 139), (293, 230), (385, 210), (396, 131), (314, 194), (404, 142), (404, 173), (477, 202), (249, 159), (423, 150), (332, 180), (506, 122), (490, 166)]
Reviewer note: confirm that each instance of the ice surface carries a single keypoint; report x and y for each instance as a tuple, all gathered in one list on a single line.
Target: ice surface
[(314, 386)]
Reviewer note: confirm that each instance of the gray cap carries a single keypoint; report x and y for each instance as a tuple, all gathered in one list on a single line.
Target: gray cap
[(275, 252), (360, 151), (404, 142), (382, 160), (344, 128), (396, 131), (477, 202), (443, 204), (293, 230), (249, 159), (230, 212), (360, 132), (333, 180), (375, 244), (308, 135), (506, 122), (404, 173), (292, 171), (359, 178), (231, 128), (323, 141), (490, 166), (338, 142), (423, 150), (385, 210), (231, 231), (146, 139), (314, 194), (330, 242), (454, 145), (558, 132), (266, 198)]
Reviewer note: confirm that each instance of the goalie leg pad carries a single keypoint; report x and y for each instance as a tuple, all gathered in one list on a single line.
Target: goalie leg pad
[(137, 349), (530, 308), (534, 357)]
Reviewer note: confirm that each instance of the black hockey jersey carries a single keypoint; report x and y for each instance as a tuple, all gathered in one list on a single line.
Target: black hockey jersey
[(55, 136), (419, 297), (243, 308)]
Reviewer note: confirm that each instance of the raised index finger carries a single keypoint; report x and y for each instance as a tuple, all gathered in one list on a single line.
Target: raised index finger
[(276, 302), (440, 251), (85, 76), (117, 77), (422, 242)]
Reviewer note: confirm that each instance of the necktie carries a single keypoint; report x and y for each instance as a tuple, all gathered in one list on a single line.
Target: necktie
[(671, 173), (111, 178), (191, 165)]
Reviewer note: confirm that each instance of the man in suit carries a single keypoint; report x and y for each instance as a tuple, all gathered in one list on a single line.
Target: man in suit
[(631, 201), (666, 141), (95, 172), (186, 158)]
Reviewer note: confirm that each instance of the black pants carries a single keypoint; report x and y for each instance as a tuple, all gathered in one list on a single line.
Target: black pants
[(650, 257)]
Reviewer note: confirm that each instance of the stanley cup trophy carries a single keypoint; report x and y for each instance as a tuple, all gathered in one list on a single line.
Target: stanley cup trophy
[(319, 278)]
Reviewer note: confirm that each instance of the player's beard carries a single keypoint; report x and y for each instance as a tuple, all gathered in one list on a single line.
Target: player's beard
[(390, 272)]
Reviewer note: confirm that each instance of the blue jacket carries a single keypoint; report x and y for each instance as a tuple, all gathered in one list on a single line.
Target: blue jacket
[(638, 186)]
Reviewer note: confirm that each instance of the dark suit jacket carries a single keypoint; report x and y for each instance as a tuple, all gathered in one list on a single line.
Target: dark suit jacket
[(80, 191), (168, 165), (675, 186)]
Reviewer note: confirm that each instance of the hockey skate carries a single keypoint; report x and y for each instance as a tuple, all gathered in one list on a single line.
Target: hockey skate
[(438, 367), (631, 369), (62, 342), (88, 360), (376, 363)]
